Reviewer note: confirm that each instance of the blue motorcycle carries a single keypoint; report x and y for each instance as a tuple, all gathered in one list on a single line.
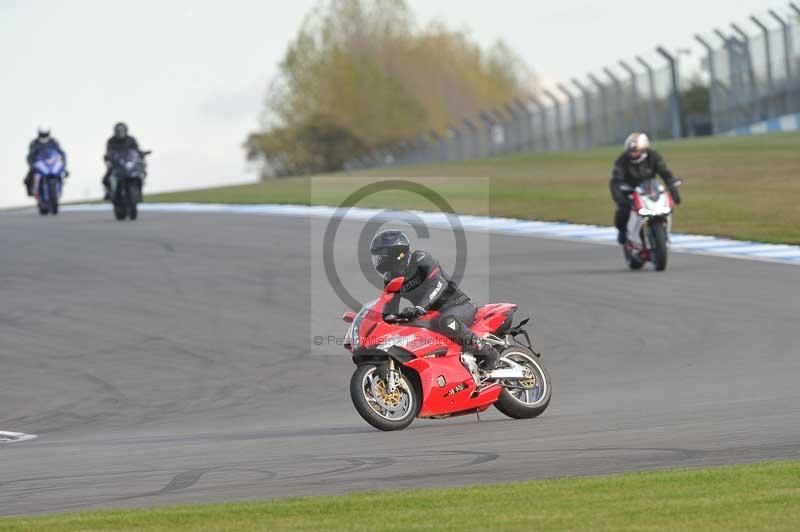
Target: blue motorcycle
[(49, 173)]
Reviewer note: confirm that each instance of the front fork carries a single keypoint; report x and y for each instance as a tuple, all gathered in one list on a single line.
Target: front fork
[(647, 235), (391, 378)]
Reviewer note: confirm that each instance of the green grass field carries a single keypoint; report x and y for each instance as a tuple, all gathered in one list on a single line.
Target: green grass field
[(739, 187), (762, 496)]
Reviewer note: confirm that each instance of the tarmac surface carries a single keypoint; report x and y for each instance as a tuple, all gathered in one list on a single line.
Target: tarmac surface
[(170, 360)]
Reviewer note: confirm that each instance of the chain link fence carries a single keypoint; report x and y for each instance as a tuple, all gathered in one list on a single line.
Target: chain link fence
[(597, 110), (751, 77), (754, 70)]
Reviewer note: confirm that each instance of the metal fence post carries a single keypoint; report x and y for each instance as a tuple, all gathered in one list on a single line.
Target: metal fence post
[(754, 96), (516, 126), (501, 124), (675, 114), (488, 129), (542, 121), (620, 119), (787, 60), (637, 121), (556, 106), (527, 125), (713, 86), (604, 105), (573, 116), (769, 104), (587, 104), (457, 153), (651, 102), (475, 141)]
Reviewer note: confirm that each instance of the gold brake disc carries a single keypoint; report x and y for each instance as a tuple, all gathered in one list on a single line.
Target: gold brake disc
[(391, 400), (528, 383)]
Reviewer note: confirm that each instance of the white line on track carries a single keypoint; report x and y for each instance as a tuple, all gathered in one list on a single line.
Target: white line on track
[(14, 437), (681, 243)]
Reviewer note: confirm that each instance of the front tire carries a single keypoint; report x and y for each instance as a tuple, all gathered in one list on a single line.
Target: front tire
[(52, 192), (379, 408), (132, 198), (534, 398), (659, 246)]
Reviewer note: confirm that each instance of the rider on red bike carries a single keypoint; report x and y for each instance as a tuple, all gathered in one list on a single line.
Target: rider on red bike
[(428, 287)]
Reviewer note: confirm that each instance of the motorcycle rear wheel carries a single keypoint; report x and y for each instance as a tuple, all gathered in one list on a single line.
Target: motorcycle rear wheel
[(366, 387), (529, 402)]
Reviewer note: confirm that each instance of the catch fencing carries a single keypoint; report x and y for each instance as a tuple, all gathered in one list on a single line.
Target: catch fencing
[(754, 70), (593, 111), (749, 77)]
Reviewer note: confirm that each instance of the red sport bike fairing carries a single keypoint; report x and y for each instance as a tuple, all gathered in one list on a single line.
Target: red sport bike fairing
[(650, 224), (405, 370)]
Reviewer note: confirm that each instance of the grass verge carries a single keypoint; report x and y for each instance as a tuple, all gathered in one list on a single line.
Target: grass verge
[(738, 187), (763, 496)]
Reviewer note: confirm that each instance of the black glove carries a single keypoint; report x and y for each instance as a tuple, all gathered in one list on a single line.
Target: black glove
[(410, 313), (676, 197)]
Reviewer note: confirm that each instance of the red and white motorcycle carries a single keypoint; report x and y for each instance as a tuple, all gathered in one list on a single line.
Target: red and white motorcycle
[(650, 223)]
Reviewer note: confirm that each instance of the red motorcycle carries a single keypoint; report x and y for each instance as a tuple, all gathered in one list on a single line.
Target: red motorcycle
[(406, 370)]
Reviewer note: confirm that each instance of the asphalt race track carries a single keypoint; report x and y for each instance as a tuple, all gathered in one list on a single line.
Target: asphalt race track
[(167, 361)]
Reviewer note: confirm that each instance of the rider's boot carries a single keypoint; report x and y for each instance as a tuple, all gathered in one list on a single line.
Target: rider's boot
[(487, 355), (622, 236)]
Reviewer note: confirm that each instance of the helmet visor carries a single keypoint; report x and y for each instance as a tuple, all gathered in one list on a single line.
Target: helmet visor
[(381, 260)]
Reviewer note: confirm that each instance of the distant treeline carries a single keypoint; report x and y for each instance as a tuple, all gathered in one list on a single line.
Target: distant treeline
[(361, 75)]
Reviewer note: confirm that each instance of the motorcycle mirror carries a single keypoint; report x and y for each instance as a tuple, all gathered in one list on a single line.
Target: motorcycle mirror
[(395, 284), (146, 153), (678, 182), (349, 316)]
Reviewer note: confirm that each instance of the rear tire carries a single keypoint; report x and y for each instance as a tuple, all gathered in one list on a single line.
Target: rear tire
[(52, 192), (633, 263), (119, 212), (360, 389), (660, 246), (520, 408)]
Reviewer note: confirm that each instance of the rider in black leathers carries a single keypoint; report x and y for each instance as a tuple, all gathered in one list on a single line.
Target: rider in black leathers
[(637, 163), (43, 141), (428, 287), (119, 143)]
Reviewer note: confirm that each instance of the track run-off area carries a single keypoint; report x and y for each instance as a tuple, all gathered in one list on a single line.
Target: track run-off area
[(167, 361)]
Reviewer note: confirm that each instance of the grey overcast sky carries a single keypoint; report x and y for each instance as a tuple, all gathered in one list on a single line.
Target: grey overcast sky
[(189, 76)]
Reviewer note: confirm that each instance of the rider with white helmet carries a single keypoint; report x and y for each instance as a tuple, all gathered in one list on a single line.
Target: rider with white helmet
[(639, 162)]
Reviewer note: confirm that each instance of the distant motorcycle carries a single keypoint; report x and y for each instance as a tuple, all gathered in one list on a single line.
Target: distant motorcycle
[(128, 171), (48, 178), (650, 223)]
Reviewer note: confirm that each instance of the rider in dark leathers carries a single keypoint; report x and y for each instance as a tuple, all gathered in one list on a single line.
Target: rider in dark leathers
[(637, 163), (428, 287), (119, 143), (42, 142)]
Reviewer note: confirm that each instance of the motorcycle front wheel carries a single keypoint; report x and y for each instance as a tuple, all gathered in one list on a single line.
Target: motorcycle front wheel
[(659, 246), (133, 199), (52, 192), (525, 399), (380, 408)]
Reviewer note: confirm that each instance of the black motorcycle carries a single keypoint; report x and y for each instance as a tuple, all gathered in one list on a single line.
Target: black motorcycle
[(128, 171)]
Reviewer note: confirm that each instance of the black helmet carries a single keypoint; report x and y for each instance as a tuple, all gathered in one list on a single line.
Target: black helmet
[(390, 253), (120, 130)]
